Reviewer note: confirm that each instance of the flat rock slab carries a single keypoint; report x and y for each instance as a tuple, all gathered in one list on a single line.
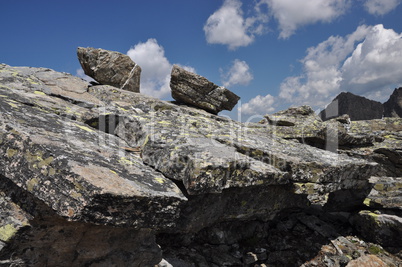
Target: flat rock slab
[(110, 67), (190, 88), (80, 173)]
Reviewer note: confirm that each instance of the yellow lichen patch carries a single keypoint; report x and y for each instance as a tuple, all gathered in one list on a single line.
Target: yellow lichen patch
[(6, 232), (30, 79), (32, 158), (146, 140), (113, 172), (51, 171), (379, 187), (12, 104), (45, 162), (75, 195), (84, 128), (11, 152), (3, 96), (367, 202), (164, 122), (78, 186), (123, 109), (31, 184), (160, 180), (125, 161), (39, 93)]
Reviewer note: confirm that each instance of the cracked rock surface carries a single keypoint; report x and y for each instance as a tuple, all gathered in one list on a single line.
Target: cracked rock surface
[(115, 173)]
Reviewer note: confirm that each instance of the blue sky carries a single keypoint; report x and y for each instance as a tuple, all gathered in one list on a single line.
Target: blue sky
[(272, 53)]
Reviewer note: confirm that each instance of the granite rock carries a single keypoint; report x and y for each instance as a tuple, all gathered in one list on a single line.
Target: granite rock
[(110, 67), (195, 90), (114, 172)]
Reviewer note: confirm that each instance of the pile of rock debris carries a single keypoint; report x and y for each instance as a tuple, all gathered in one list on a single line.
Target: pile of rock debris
[(101, 175)]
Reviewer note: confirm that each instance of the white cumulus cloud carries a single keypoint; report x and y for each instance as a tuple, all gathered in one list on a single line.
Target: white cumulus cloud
[(380, 7), (239, 73), (259, 105), (375, 64), (292, 14), (228, 26), (156, 68), (365, 62)]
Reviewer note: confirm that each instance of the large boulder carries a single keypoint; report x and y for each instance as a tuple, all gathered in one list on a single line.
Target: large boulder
[(195, 90), (357, 107), (393, 107), (110, 67)]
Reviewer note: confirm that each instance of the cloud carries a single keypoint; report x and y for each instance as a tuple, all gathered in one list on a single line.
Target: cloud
[(364, 62), (292, 14), (239, 73), (80, 73), (375, 64), (380, 7), (259, 105), (227, 26), (156, 68)]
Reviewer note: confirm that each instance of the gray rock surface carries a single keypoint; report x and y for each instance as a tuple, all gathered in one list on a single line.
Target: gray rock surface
[(393, 107), (195, 90), (357, 107), (110, 67), (115, 173)]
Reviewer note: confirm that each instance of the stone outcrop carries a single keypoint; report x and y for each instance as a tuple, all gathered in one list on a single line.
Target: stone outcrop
[(195, 90), (110, 68), (95, 175), (357, 107), (393, 107)]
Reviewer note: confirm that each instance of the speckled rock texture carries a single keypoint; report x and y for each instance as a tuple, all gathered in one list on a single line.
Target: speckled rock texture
[(92, 175), (195, 90), (110, 67)]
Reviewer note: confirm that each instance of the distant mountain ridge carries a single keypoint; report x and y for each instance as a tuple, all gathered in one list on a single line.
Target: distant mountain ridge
[(361, 108)]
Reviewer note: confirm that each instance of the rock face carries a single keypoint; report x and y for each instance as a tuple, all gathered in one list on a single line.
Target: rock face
[(98, 176), (393, 107), (195, 90), (357, 107), (111, 68)]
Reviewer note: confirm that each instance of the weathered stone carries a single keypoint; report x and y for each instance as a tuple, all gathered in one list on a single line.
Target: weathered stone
[(385, 194), (357, 107), (393, 107), (386, 150), (381, 228), (110, 67), (195, 90), (293, 116), (367, 261), (113, 163)]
